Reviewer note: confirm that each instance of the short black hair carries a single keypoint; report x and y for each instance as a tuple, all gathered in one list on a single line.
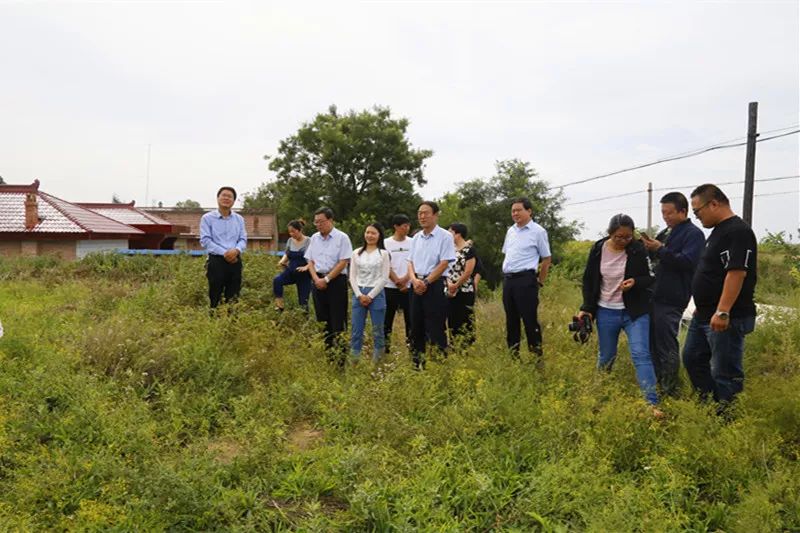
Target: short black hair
[(226, 188), (708, 192), (430, 203), (327, 211), (677, 199), (459, 228), (400, 219), (619, 221), (524, 200)]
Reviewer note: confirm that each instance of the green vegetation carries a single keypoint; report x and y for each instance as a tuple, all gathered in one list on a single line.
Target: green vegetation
[(357, 163), (125, 406)]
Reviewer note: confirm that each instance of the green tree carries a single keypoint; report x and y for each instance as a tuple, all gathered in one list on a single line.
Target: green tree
[(187, 204), (358, 163), (484, 206)]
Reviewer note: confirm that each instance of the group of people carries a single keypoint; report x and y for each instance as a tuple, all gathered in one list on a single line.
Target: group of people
[(431, 278), (621, 291)]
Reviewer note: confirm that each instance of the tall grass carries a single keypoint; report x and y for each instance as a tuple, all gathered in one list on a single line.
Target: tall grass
[(125, 405)]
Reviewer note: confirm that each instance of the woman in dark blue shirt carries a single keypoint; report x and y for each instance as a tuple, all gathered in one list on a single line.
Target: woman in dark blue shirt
[(295, 268)]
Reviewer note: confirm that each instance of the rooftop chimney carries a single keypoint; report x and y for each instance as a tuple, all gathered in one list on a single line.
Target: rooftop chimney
[(31, 211)]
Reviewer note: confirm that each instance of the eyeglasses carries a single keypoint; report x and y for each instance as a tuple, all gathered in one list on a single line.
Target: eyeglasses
[(696, 211), (623, 238)]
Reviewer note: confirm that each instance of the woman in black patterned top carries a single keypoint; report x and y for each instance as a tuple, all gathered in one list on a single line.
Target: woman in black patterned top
[(461, 288)]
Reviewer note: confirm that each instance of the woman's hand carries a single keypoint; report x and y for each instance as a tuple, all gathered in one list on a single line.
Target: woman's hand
[(302, 268), (582, 314), (452, 288), (627, 285)]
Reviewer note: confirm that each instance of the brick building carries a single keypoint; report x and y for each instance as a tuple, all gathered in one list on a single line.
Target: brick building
[(33, 222), (261, 225), (160, 234)]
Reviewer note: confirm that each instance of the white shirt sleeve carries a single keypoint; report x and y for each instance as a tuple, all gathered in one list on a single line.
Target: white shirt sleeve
[(354, 274), (385, 266)]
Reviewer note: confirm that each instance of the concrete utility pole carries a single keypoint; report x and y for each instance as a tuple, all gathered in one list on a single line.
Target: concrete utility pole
[(649, 206), (750, 163)]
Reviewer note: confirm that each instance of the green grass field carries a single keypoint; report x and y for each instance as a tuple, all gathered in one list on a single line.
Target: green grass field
[(125, 406)]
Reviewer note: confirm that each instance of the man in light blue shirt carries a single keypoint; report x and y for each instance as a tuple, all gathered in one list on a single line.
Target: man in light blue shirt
[(328, 255), (432, 251), (527, 260), (223, 235)]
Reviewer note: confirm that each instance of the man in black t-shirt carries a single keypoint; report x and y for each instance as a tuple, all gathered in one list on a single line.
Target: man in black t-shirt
[(723, 287)]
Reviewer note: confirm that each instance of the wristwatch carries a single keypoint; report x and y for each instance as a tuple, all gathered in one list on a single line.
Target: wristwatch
[(426, 282), (724, 315)]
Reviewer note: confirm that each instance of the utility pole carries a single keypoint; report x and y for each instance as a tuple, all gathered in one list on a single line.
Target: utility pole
[(649, 206), (750, 163)]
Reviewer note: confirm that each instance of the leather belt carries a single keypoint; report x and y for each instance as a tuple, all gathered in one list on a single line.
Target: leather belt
[(520, 274)]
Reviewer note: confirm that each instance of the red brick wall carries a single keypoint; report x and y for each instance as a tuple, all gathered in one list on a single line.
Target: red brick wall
[(10, 248), (64, 249)]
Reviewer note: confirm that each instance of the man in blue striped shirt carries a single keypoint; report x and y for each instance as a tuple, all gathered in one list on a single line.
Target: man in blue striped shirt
[(223, 235)]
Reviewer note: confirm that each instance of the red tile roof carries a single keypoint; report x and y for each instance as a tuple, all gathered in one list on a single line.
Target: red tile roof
[(125, 213), (55, 215)]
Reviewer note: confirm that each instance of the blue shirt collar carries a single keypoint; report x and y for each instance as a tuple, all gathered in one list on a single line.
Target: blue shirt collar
[(217, 214)]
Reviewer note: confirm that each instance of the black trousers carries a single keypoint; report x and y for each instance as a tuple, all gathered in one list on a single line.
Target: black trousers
[(521, 301), (223, 278), (664, 323), (428, 316), (330, 306), (397, 300), (461, 317)]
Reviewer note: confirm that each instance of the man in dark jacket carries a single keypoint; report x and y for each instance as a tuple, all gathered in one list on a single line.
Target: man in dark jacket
[(676, 251)]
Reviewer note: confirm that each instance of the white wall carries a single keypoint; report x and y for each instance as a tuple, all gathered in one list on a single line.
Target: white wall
[(87, 247)]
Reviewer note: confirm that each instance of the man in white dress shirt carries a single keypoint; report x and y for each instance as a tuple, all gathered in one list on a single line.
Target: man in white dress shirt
[(328, 255), (527, 260)]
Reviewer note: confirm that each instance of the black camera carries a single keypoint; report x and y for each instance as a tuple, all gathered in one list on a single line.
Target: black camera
[(581, 328)]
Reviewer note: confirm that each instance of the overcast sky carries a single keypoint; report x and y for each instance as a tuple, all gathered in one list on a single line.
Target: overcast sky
[(576, 89)]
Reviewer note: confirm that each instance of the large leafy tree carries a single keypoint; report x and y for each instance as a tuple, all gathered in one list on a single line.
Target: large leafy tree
[(484, 206), (361, 164)]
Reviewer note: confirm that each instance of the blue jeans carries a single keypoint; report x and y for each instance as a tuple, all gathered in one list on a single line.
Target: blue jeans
[(291, 277), (713, 359), (609, 323), (377, 313)]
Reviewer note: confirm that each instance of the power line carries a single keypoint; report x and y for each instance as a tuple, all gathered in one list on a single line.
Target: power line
[(667, 159), (675, 187), (793, 126), (622, 209), (606, 198), (777, 178)]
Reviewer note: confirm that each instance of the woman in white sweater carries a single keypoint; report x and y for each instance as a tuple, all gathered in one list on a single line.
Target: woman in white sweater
[(369, 272)]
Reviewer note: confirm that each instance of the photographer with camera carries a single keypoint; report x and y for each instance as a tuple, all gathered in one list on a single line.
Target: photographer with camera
[(616, 293)]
